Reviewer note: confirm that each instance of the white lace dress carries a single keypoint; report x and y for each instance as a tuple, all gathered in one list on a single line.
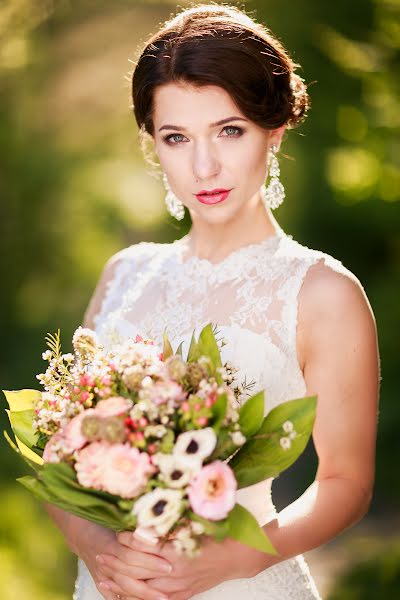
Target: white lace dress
[(252, 298)]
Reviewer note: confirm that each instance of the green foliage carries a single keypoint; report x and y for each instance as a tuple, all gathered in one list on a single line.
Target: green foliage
[(263, 456), (376, 577)]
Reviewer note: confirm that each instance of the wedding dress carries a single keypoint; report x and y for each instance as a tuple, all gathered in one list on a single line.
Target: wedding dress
[(252, 298)]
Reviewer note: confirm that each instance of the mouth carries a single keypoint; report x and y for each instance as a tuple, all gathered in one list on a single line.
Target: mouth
[(212, 196)]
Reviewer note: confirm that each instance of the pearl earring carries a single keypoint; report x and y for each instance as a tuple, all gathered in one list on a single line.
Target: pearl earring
[(174, 205), (274, 194)]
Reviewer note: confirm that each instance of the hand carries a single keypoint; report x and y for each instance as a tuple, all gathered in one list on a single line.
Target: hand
[(217, 562), (127, 567)]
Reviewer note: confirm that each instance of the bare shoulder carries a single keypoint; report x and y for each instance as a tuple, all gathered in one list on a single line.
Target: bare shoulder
[(332, 302), (135, 252)]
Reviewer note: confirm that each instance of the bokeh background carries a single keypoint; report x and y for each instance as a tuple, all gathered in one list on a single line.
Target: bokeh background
[(74, 189)]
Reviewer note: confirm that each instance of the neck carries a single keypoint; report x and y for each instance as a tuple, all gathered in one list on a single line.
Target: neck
[(214, 241)]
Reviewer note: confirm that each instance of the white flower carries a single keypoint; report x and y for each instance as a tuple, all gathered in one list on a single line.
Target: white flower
[(160, 509), (173, 470), (287, 426), (197, 528), (194, 446), (238, 438), (285, 443), (292, 434)]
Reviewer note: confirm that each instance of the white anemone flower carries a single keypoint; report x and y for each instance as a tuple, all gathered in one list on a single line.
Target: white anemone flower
[(192, 447), (173, 470), (160, 509)]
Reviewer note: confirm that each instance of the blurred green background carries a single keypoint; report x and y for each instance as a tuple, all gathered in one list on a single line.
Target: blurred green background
[(74, 189)]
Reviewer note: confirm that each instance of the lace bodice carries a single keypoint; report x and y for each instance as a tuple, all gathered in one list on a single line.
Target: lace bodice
[(251, 297)]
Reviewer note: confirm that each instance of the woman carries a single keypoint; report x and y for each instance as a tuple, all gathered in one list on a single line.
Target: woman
[(215, 91)]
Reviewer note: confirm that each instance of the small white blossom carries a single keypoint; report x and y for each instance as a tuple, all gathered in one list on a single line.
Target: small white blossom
[(285, 443), (238, 438), (287, 426)]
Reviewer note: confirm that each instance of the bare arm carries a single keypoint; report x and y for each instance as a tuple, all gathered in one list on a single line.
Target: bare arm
[(338, 349)]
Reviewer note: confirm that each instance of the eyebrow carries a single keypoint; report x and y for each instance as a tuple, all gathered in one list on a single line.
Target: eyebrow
[(179, 128)]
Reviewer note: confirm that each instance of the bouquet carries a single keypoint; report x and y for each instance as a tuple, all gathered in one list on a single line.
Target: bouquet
[(136, 437)]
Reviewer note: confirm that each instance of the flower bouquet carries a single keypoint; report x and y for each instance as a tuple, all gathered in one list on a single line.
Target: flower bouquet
[(138, 438)]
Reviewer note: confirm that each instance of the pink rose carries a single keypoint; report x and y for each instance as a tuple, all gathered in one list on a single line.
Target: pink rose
[(112, 407), (126, 470), (90, 464), (212, 492)]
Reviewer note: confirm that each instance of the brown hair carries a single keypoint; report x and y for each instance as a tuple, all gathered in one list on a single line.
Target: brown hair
[(214, 44)]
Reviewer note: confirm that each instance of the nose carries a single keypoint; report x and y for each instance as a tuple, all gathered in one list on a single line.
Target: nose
[(206, 165)]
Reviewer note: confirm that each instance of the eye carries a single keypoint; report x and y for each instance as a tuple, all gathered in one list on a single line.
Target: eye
[(172, 141), (237, 131), (169, 138)]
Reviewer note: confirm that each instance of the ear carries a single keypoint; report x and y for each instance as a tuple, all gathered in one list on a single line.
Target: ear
[(276, 136)]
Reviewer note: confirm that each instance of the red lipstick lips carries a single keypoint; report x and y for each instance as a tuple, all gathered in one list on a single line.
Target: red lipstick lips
[(212, 196)]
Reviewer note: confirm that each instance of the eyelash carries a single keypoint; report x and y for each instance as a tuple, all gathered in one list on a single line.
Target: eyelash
[(167, 138)]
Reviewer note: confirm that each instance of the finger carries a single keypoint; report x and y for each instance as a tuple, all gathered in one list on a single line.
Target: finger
[(132, 540), (146, 570), (107, 593), (134, 587)]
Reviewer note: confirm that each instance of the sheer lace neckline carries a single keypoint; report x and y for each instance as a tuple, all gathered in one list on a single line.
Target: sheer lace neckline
[(267, 244)]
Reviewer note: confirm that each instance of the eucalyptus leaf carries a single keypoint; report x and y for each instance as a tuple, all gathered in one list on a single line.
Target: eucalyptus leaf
[(263, 456), (251, 414)]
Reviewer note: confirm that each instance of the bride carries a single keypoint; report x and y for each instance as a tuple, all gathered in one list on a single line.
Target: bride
[(215, 91)]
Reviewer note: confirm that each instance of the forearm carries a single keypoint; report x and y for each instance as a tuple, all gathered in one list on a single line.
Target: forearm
[(71, 526), (327, 507)]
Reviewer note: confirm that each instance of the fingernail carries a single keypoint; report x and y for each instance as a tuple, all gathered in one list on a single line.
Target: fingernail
[(162, 598), (167, 568), (100, 559), (104, 585)]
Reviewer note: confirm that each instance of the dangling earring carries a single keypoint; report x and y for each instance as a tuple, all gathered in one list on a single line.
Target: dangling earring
[(274, 194), (174, 205)]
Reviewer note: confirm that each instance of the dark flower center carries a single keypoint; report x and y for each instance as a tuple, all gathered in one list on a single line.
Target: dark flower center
[(176, 474), (158, 508), (192, 447)]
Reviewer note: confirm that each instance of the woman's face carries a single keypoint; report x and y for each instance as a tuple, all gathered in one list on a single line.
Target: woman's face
[(198, 154)]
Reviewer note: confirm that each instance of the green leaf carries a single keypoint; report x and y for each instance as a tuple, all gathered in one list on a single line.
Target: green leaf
[(60, 480), (251, 414), (31, 459), (22, 399), (39, 489), (218, 410), (224, 448), (193, 352), (208, 346), (244, 528), (219, 530), (21, 423), (178, 351), (262, 456), (167, 348)]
